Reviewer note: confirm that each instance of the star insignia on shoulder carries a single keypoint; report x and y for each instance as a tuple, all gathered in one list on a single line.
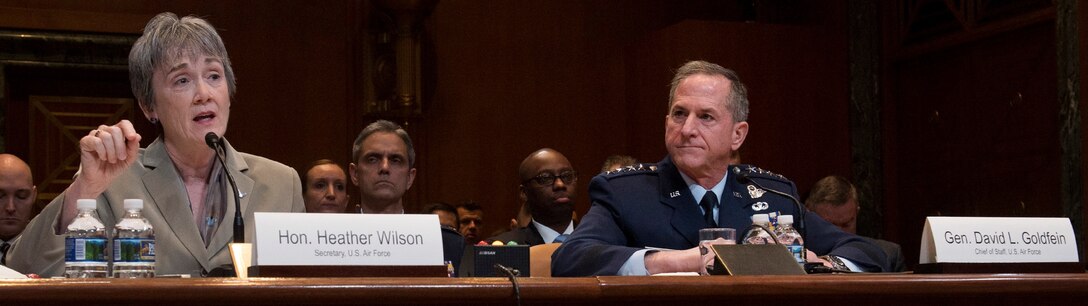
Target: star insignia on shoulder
[(757, 170), (633, 168)]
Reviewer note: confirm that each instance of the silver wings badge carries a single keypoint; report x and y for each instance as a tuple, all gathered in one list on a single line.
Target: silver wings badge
[(755, 192)]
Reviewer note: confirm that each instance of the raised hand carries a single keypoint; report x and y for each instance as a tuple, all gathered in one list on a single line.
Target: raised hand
[(104, 154)]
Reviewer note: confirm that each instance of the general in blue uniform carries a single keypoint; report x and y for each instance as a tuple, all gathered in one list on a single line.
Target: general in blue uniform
[(651, 206), (655, 206)]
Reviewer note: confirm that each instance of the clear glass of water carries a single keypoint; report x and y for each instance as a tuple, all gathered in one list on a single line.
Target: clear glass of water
[(713, 236)]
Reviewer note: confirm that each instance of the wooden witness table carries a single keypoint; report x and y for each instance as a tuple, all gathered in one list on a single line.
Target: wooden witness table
[(999, 289)]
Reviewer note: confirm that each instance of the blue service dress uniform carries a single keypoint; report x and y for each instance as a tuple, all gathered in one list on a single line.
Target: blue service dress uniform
[(650, 205)]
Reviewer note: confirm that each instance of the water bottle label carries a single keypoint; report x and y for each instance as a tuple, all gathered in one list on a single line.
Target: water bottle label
[(133, 250), (84, 249), (796, 250)]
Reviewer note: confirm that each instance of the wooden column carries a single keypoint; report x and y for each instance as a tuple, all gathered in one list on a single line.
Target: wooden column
[(1067, 45), (865, 140)]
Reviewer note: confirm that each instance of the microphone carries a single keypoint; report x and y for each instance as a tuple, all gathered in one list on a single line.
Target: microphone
[(744, 179), (216, 143)]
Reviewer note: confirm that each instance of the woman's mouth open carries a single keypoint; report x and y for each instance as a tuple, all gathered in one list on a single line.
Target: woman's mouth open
[(204, 117)]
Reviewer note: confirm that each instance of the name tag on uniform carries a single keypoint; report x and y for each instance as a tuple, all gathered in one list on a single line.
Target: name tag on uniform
[(997, 240), (347, 239)]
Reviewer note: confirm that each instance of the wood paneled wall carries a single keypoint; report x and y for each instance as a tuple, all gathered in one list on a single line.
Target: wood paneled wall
[(590, 79)]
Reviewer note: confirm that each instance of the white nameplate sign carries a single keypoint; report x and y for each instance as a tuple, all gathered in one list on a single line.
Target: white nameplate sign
[(301, 239), (997, 240)]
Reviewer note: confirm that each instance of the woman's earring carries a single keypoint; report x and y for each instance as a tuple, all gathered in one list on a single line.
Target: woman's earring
[(154, 120)]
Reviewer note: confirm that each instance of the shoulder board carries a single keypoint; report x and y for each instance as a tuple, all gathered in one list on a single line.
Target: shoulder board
[(633, 169), (756, 172)]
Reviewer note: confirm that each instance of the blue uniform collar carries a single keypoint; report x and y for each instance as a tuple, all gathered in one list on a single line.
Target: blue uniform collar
[(697, 191)]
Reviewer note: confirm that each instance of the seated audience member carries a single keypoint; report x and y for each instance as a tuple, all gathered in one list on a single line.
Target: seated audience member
[(324, 185), (548, 184), (646, 219), (447, 214), (615, 162), (835, 199), (183, 82), (471, 218), (384, 169), (17, 196)]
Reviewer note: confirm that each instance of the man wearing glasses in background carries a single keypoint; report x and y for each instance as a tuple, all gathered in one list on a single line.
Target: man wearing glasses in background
[(548, 185)]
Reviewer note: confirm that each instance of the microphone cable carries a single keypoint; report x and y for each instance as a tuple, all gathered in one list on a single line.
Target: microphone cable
[(765, 230), (512, 274)]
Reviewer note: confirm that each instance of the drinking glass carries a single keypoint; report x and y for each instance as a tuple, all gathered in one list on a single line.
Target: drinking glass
[(713, 236)]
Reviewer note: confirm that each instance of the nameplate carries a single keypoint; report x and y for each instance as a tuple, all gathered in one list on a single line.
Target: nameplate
[(997, 240), (754, 259), (314, 239)]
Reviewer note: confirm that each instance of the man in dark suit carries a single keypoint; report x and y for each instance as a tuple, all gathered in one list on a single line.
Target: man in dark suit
[(835, 199), (384, 169), (644, 208), (547, 188)]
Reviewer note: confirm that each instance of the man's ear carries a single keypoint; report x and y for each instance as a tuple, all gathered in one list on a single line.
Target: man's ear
[(411, 178), (351, 172), (740, 132), (521, 194)]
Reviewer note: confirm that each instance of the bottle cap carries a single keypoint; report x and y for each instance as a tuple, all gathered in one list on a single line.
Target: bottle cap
[(761, 218), (134, 204), (785, 219), (86, 204)]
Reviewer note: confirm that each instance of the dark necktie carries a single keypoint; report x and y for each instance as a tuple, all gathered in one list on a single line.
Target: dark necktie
[(710, 200), (4, 252)]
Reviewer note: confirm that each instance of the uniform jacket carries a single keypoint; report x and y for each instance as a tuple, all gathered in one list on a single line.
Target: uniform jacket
[(894, 252), (268, 186), (650, 205)]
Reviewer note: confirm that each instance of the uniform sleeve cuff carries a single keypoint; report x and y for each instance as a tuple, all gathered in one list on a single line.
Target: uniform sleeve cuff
[(635, 265)]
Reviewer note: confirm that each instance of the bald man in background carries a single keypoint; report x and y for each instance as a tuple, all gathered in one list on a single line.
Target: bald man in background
[(17, 195), (548, 184)]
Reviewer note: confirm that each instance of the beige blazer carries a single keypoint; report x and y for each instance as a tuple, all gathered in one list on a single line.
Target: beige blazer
[(266, 185)]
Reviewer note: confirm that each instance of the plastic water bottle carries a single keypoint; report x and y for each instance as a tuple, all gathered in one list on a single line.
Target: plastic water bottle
[(134, 244), (86, 243), (758, 235), (790, 238)]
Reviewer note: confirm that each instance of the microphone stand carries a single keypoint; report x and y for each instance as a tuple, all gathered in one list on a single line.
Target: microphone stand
[(216, 143)]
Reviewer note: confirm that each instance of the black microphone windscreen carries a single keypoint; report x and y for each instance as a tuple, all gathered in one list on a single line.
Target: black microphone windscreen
[(211, 139)]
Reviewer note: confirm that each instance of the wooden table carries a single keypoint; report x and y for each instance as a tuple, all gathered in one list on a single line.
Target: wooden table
[(866, 289)]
